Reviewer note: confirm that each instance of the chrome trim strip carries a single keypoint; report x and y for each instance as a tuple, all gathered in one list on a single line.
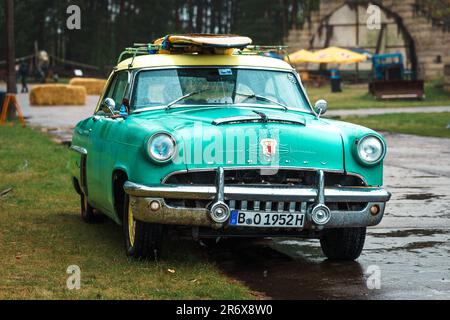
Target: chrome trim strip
[(174, 173), (251, 193), (78, 149)]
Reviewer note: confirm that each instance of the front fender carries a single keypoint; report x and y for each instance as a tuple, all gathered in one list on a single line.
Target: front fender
[(372, 175)]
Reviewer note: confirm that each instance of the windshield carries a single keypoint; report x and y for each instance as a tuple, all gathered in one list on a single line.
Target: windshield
[(217, 86)]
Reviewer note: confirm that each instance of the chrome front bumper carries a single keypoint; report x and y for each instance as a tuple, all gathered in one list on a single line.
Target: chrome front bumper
[(141, 198)]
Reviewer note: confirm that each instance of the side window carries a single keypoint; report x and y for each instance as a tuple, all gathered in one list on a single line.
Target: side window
[(116, 90)]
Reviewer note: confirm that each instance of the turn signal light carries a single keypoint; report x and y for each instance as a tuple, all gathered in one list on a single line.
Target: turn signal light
[(374, 210)]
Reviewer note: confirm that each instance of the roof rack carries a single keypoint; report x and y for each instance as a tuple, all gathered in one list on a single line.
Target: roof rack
[(140, 49), (255, 50)]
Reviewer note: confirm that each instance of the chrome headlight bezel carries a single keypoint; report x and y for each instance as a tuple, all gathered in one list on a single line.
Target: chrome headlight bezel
[(358, 146), (152, 156)]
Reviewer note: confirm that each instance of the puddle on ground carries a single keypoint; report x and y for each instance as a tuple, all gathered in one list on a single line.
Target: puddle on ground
[(421, 196), (406, 187), (297, 269), (406, 240), (425, 177), (267, 268), (422, 245), (408, 233)]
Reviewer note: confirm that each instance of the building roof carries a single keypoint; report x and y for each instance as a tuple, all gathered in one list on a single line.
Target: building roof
[(173, 60)]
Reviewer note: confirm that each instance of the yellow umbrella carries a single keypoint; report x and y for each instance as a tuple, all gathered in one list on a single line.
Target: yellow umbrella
[(300, 56), (337, 55)]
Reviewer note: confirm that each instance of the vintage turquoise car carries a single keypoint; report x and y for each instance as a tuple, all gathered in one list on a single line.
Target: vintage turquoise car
[(223, 141)]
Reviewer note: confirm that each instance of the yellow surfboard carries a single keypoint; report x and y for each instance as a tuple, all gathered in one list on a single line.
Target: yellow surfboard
[(225, 41)]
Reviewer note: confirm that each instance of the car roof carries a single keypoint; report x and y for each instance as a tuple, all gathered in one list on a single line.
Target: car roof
[(186, 60)]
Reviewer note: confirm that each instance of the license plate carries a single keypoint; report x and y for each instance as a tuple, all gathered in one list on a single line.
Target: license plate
[(267, 220)]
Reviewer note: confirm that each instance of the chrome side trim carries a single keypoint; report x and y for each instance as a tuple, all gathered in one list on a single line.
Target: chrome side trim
[(258, 193), (78, 149), (174, 173)]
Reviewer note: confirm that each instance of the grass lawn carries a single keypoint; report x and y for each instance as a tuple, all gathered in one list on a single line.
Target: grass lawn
[(357, 97), (424, 124), (41, 234)]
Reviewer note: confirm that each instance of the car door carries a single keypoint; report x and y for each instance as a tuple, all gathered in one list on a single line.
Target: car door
[(102, 154)]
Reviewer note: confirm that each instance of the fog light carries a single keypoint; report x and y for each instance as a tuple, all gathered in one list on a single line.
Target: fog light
[(155, 205), (374, 210), (220, 212), (321, 214)]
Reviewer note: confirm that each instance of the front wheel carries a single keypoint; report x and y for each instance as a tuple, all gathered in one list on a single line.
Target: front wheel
[(344, 244), (142, 240)]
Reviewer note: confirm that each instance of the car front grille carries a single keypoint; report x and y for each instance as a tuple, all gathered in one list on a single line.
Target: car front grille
[(249, 176), (283, 177)]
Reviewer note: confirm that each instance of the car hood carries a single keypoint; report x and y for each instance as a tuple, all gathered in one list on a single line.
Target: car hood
[(212, 137)]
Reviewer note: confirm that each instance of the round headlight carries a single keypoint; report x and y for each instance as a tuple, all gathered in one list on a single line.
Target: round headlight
[(371, 149), (161, 147)]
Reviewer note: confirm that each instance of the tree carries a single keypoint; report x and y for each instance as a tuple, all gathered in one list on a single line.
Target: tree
[(262, 20), (107, 26)]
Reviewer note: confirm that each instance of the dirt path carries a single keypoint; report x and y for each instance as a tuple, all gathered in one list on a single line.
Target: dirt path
[(58, 116)]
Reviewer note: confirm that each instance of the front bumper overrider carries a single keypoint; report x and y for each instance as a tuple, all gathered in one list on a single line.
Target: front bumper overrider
[(144, 199)]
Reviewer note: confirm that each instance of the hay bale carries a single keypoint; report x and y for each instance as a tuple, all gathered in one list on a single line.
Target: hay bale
[(57, 95), (93, 86)]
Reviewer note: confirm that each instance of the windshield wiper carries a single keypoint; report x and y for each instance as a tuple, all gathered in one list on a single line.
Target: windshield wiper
[(263, 116), (259, 97), (184, 97)]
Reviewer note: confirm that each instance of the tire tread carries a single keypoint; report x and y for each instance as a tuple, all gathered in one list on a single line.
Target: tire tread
[(344, 244)]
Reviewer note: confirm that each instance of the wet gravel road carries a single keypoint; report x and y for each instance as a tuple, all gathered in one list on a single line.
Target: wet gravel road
[(409, 252)]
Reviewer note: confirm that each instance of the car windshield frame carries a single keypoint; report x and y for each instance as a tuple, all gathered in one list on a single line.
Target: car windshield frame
[(307, 109)]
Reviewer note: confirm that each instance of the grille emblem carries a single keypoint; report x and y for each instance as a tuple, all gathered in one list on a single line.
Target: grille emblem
[(269, 147)]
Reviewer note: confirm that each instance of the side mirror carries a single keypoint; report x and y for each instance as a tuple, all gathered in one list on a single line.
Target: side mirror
[(321, 107), (109, 106)]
